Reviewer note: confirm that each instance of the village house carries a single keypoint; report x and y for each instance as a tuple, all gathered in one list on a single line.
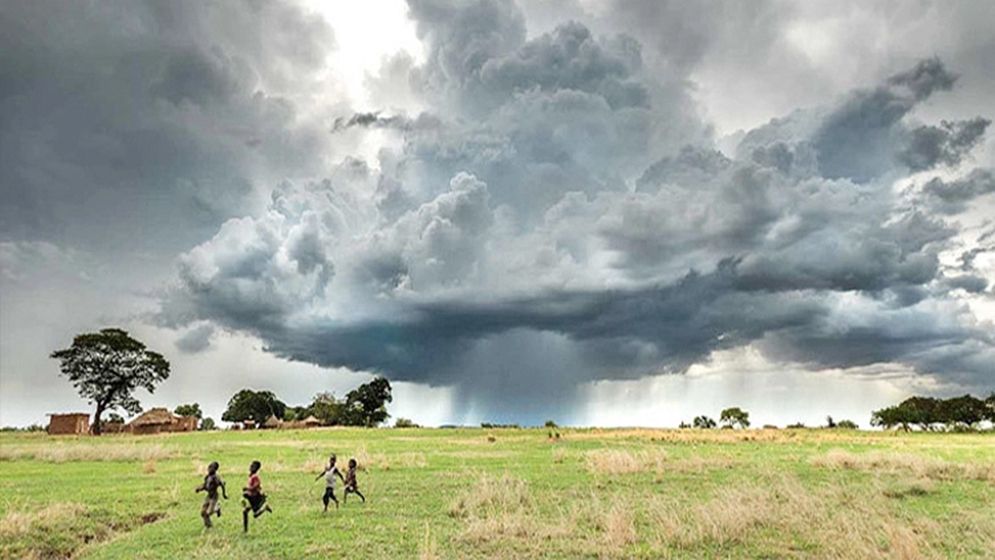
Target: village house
[(73, 423), (158, 420)]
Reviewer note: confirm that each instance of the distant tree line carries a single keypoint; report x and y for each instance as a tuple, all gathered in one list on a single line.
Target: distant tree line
[(930, 414), (365, 405)]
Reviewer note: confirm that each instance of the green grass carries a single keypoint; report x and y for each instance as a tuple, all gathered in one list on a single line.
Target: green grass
[(508, 493)]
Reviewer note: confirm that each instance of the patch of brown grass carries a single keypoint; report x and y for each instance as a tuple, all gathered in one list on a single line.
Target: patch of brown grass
[(623, 461), (918, 465), (16, 524), (66, 452)]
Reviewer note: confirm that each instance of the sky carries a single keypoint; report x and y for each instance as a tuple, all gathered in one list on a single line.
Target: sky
[(603, 213)]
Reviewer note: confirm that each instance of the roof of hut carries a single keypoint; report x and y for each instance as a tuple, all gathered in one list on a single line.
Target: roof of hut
[(311, 420), (87, 414), (154, 416), (272, 422)]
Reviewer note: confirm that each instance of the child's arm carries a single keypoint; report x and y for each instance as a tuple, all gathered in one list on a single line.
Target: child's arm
[(201, 488), (338, 472), (224, 491), (317, 478)]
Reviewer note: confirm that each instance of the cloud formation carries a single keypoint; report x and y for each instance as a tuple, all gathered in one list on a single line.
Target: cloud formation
[(561, 215)]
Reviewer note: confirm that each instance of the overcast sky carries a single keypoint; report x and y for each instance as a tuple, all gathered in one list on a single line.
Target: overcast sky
[(611, 214)]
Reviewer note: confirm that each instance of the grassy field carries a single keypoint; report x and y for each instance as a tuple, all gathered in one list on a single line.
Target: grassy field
[(470, 493)]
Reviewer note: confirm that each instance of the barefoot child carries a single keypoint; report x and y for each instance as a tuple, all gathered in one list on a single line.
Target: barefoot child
[(330, 473), (350, 483), (255, 500), (211, 484)]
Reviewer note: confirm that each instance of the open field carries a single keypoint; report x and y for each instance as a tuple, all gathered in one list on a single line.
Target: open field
[(509, 494)]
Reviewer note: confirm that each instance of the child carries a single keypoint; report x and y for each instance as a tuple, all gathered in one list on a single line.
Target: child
[(350, 483), (211, 484), (330, 473), (254, 500)]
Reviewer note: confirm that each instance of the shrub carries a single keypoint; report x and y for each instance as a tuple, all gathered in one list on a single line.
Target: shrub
[(404, 423), (704, 422), (847, 425)]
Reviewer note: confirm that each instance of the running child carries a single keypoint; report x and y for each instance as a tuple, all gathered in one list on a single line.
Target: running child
[(254, 499), (330, 473), (211, 484), (351, 486)]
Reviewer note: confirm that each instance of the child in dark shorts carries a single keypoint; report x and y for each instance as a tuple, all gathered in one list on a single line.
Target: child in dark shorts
[(351, 486), (211, 484), (254, 499), (329, 474)]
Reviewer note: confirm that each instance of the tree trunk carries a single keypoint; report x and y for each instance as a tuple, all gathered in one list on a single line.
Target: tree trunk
[(96, 419)]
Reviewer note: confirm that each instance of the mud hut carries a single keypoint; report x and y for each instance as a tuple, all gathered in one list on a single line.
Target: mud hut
[(158, 420), (311, 422), (271, 422), (73, 423)]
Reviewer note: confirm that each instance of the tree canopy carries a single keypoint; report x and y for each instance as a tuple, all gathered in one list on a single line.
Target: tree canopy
[(192, 409), (928, 412), (703, 422), (366, 405), (253, 405), (735, 416), (107, 366)]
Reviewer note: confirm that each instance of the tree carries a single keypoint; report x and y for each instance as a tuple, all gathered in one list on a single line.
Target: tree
[(327, 408), (404, 423), (550, 424), (253, 405), (703, 422), (189, 410), (207, 424), (990, 405), (107, 366), (366, 405), (847, 425), (830, 423), (735, 415), (114, 418), (890, 417), (966, 410)]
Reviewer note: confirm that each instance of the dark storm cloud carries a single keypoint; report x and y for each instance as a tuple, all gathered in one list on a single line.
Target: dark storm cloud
[(154, 117), (567, 218), (947, 144), (196, 339), (952, 197), (867, 135)]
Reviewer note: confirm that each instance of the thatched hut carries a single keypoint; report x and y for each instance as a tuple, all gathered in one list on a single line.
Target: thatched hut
[(311, 422), (158, 420), (73, 423), (272, 422)]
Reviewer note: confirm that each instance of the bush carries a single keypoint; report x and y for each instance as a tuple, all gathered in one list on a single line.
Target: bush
[(207, 424), (704, 422), (550, 424), (847, 425), (735, 416), (404, 423)]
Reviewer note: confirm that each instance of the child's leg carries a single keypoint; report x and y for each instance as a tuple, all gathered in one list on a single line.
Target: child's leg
[(263, 509), (245, 519), (325, 498), (205, 514), (360, 494)]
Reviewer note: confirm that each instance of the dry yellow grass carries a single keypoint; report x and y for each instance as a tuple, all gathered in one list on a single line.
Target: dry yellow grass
[(918, 465), (623, 461), (63, 453), (429, 549), (18, 523)]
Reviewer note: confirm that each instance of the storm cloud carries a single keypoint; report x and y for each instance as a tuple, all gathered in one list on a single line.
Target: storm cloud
[(570, 209), (539, 198)]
